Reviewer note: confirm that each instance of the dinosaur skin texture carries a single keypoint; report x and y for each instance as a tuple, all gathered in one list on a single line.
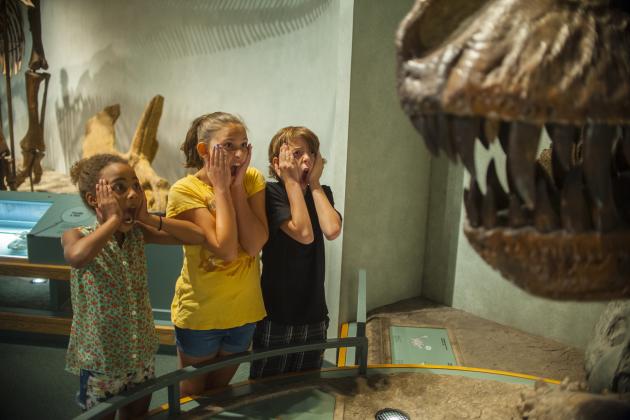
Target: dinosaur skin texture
[(507, 70)]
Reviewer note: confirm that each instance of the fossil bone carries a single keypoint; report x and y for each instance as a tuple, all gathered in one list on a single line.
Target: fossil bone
[(100, 137)]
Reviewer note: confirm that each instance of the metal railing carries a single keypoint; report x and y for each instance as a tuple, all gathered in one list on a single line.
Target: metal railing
[(172, 379)]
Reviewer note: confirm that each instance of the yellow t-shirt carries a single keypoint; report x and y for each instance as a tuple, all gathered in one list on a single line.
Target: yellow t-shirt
[(210, 293)]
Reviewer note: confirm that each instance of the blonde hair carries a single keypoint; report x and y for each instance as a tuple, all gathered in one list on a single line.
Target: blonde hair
[(284, 136), (201, 130)]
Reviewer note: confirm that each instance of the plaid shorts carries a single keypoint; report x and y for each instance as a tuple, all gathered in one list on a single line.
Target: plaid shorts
[(272, 334), (95, 387)]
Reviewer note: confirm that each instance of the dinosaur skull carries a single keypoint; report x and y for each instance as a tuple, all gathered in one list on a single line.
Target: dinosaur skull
[(505, 70)]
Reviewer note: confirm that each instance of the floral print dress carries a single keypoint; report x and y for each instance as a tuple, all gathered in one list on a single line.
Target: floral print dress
[(113, 331)]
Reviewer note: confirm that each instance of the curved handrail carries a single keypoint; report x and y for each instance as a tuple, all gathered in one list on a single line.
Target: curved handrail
[(172, 379)]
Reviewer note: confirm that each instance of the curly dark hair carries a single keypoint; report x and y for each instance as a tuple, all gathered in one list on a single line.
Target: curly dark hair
[(86, 172)]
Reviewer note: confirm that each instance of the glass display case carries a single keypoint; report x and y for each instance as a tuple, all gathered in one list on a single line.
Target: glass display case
[(17, 218), (34, 275)]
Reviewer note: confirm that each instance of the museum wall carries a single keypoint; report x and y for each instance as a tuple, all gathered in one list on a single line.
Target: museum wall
[(387, 184)]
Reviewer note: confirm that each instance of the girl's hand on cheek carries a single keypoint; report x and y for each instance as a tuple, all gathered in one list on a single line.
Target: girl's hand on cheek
[(107, 206), (242, 170), (218, 169)]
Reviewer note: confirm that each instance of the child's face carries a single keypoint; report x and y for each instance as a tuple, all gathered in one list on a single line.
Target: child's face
[(233, 139), (126, 189), (303, 157)]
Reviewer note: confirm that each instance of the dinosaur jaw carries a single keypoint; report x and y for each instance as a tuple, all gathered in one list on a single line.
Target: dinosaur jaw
[(557, 265), (561, 229)]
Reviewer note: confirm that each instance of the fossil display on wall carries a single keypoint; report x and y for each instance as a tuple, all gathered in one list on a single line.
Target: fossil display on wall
[(100, 137), (11, 52)]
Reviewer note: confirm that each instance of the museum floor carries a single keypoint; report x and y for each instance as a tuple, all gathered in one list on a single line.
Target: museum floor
[(36, 386)]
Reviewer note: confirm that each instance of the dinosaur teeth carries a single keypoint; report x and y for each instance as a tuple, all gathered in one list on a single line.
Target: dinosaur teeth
[(428, 128), (489, 209), (464, 132), (598, 142), (582, 183), (545, 215), (521, 155), (472, 202), (574, 207), (517, 215), (563, 137), (493, 184), (488, 131)]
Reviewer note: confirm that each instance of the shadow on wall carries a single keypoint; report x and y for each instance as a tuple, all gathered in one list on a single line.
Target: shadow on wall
[(223, 25), (168, 33), (76, 107)]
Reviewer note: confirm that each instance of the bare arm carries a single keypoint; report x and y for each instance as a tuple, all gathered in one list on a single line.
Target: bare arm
[(220, 231), (251, 216), (160, 230), (172, 231), (79, 250), (329, 219), (299, 226), (220, 234)]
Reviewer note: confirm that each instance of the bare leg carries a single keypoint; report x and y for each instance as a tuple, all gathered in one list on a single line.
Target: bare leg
[(196, 385), (222, 377)]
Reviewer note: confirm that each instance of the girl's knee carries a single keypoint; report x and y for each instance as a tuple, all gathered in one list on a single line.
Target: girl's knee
[(193, 386)]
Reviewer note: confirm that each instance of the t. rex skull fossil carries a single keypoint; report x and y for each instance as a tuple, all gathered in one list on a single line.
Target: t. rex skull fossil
[(484, 70)]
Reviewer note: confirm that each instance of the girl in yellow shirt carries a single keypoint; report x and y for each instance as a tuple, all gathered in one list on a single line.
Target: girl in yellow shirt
[(218, 299)]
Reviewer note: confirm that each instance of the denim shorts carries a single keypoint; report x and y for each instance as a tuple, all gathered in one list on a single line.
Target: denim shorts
[(201, 343)]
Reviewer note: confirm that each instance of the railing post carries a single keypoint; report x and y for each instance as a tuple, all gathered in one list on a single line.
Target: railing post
[(362, 350), (363, 357), (173, 400)]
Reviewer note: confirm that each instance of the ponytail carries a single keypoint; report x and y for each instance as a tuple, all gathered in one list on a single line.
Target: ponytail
[(189, 147)]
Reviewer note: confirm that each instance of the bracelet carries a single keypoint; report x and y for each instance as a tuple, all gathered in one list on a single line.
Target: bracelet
[(160, 226)]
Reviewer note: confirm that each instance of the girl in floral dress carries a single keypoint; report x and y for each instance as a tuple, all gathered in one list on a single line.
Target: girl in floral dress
[(112, 340)]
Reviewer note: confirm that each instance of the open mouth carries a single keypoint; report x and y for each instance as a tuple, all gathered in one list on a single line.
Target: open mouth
[(234, 170), (129, 216), (305, 176)]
